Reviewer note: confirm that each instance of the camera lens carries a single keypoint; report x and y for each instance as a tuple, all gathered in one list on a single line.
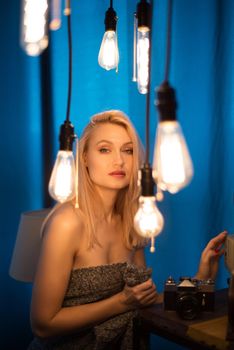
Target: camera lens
[(187, 306)]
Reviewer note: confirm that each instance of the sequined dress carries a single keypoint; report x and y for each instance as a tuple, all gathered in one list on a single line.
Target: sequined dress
[(90, 284)]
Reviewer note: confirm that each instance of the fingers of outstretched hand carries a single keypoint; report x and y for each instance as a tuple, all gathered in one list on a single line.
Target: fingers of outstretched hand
[(215, 244), (213, 254)]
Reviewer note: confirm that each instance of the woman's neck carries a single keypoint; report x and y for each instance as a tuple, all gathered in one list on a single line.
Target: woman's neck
[(108, 198)]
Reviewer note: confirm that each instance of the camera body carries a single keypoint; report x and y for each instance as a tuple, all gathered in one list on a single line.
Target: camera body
[(189, 296)]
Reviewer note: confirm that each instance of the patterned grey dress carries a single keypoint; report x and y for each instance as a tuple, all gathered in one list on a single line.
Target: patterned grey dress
[(90, 284)]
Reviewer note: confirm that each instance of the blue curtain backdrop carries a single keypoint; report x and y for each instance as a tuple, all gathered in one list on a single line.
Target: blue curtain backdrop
[(202, 72)]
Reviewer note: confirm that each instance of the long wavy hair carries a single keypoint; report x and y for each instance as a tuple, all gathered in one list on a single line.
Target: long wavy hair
[(127, 199)]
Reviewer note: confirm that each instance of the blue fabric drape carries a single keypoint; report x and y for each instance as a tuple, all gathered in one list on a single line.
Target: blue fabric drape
[(21, 164), (202, 72)]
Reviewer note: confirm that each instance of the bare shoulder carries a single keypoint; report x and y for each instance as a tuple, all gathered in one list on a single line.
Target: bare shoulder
[(65, 222)]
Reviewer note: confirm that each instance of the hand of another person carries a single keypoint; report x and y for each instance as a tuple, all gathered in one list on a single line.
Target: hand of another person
[(209, 261), (144, 294)]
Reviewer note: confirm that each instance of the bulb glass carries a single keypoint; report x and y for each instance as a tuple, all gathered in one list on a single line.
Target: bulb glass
[(143, 60), (172, 165), (148, 220), (62, 182), (108, 57), (34, 37)]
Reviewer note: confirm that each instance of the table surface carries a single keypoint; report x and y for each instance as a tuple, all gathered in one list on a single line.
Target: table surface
[(207, 332)]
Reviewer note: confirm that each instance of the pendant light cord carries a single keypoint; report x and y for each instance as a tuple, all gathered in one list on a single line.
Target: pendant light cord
[(147, 123), (67, 12), (168, 46)]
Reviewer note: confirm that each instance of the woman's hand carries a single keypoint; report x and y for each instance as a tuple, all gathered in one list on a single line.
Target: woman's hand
[(209, 261), (141, 295)]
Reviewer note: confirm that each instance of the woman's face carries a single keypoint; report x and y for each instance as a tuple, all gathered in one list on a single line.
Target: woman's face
[(109, 157)]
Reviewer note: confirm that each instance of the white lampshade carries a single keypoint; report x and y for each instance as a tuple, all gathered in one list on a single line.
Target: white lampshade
[(27, 245)]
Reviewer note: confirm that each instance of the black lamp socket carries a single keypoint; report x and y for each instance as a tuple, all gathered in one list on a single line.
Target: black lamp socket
[(66, 136), (110, 19), (147, 182), (143, 14), (166, 102)]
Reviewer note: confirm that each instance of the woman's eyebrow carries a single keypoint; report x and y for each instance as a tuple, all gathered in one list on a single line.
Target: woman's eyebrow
[(107, 141), (128, 143)]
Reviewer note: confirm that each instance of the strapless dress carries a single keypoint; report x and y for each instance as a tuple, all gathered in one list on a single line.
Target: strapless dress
[(91, 284)]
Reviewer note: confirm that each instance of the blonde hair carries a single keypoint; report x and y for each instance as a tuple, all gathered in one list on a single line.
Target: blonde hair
[(127, 199)]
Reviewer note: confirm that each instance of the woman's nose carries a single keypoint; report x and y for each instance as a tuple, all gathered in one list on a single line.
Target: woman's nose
[(118, 158)]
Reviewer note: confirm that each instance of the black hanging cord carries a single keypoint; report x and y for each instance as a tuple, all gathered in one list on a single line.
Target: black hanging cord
[(147, 183), (147, 139), (165, 99), (68, 9), (47, 122), (66, 136), (168, 47)]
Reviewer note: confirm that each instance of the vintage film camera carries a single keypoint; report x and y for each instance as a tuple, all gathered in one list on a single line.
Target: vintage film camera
[(189, 296)]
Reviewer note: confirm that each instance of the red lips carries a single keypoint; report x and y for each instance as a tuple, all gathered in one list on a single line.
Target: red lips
[(118, 173)]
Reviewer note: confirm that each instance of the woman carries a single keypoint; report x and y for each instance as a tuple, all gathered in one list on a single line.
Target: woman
[(91, 275)]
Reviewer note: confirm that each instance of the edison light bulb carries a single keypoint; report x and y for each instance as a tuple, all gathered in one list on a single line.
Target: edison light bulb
[(62, 181), (143, 59), (108, 57), (34, 37), (55, 14), (172, 165), (148, 220)]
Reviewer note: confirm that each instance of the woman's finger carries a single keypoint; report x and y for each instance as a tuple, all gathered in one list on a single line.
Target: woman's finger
[(144, 286), (150, 299), (216, 243)]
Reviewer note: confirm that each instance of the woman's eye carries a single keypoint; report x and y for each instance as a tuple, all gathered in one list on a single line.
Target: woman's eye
[(103, 150), (128, 150)]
